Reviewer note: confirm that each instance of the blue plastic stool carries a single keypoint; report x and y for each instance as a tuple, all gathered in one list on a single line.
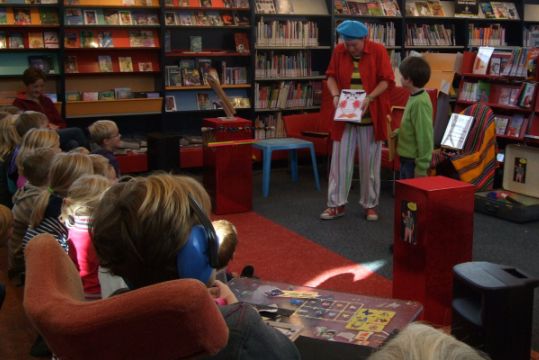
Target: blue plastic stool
[(292, 145)]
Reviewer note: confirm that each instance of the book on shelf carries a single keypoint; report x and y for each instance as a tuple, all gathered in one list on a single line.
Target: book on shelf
[(87, 39), (71, 39), (105, 63), (186, 19), (90, 96), (107, 95), (241, 42), (204, 67), (141, 38), (35, 40), (514, 95), (205, 3), (70, 65), (466, 8), (73, 16), (516, 126), (125, 63), (505, 96), (265, 7), (173, 75), (349, 105), (123, 93), (125, 17), (190, 77), (187, 64), (375, 9), (22, 16), (203, 101), (487, 10), (526, 95), (171, 18), (144, 18), (170, 103), (195, 43), (482, 59), (50, 40), (504, 10), (200, 18), (111, 16), (145, 66), (73, 96), (436, 8), (284, 7), (48, 16), (104, 39), (501, 122), (483, 89), (391, 8), (42, 62), (423, 8), (456, 132), (494, 66), (90, 17), (3, 16), (3, 40), (214, 18), (228, 19)]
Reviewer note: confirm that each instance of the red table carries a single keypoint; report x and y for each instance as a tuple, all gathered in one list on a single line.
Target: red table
[(433, 232)]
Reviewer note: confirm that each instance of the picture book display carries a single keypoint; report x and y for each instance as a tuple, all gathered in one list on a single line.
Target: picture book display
[(170, 103), (466, 8), (105, 63), (195, 43), (516, 126), (125, 63), (35, 40), (70, 65), (41, 62), (482, 59), (50, 40), (501, 122), (457, 130), (242, 42), (349, 106)]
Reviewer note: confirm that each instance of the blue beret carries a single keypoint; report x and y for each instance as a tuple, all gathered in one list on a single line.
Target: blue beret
[(351, 29)]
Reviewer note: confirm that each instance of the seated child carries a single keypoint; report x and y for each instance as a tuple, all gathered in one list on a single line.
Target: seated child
[(107, 137), (82, 198), (35, 167), (103, 167), (422, 342), (65, 169), (142, 226), (9, 140), (6, 229)]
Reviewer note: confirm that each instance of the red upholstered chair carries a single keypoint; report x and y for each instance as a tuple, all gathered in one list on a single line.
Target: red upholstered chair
[(314, 127), (171, 320)]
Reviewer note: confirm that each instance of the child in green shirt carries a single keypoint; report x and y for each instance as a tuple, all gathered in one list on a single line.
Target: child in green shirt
[(415, 134)]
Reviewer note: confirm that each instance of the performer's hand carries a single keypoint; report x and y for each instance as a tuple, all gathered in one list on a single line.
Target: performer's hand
[(335, 101), (365, 104)]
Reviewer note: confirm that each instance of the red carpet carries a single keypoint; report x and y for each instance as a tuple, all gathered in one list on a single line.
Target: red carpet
[(279, 254)]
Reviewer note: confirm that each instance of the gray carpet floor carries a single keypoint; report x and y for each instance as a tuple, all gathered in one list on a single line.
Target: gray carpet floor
[(298, 205)]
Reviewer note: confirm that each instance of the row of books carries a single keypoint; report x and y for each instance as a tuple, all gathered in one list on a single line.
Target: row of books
[(206, 18), (510, 125), (107, 63), (113, 94), (240, 4), (35, 40), (117, 2), (269, 126), (274, 7), (531, 36), (519, 62), (76, 16), (369, 8), (20, 2), (499, 10), (288, 94), (271, 64), (286, 33), (430, 34), (382, 33), (206, 102), (105, 39), (508, 95), (486, 35), (23, 16), (192, 72)]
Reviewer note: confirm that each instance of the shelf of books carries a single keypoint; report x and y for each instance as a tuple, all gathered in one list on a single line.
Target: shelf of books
[(292, 53), (506, 82), (112, 58), (206, 37)]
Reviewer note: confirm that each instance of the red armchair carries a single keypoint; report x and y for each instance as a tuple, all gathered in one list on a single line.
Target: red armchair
[(172, 320), (313, 127)]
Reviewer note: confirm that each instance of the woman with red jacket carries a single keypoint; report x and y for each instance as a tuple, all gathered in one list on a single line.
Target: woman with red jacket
[(358, 63)]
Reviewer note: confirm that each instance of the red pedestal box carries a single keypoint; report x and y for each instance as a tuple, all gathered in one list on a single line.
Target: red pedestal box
[(433, 232), (228, 175)]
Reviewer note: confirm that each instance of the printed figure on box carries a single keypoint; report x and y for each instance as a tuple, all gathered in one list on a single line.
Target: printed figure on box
[(519, 173), (408, 222)]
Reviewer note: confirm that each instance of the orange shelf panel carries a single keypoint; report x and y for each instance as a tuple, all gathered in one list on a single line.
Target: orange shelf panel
[(113, 107)]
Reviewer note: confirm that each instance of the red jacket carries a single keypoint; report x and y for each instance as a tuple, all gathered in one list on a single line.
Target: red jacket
[(374, 67), (46, 106)]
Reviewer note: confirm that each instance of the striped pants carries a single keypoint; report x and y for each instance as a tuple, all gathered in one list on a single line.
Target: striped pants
[(342, 166)]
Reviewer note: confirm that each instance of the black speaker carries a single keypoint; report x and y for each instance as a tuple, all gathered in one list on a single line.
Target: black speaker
[(163, 152)]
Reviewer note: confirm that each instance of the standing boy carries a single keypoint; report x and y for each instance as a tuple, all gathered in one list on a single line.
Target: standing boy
[(415, 133), (107, 137)]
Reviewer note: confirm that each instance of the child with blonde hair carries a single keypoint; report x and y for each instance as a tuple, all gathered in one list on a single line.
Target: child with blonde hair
[(103, 167), (37, 165), (33, 139), (77, 215), (9, 140), (105, 134), (65, 169), (30, 120)]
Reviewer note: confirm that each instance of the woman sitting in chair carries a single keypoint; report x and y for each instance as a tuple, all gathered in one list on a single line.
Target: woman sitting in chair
[(142, 231)]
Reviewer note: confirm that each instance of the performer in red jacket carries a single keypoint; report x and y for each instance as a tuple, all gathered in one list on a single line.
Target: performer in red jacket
[(358, 63)]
